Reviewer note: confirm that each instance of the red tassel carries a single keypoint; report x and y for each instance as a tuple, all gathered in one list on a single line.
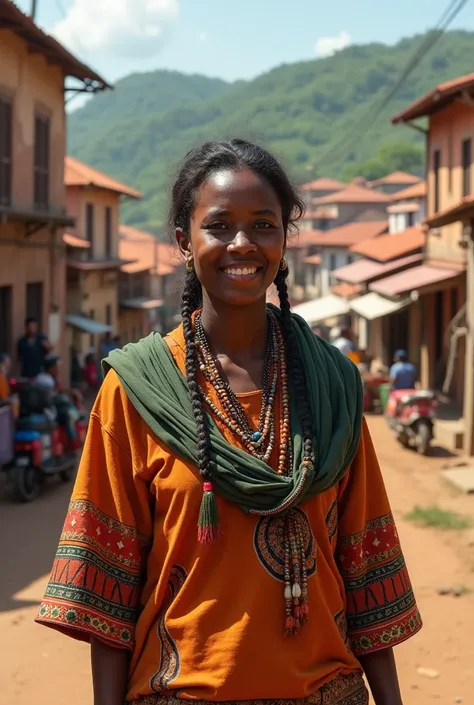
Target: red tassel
[(297, 612), (305, 608), (290, 625)]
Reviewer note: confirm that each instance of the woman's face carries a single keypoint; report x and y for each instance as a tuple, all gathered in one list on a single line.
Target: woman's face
[(236, 238)]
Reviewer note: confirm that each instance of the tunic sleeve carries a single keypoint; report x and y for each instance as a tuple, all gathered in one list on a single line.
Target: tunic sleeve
[(95, 583), (381, 609)]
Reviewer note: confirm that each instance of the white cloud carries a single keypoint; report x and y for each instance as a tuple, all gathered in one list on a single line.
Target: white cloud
[(327, 46), (116, 28)]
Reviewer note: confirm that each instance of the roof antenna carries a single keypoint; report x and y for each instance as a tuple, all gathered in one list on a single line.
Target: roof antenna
[(33, 9)]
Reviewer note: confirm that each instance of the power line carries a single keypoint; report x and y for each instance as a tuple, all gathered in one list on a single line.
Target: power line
[(365, 123)]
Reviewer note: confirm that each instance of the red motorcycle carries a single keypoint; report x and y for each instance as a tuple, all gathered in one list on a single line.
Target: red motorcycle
[(45, 443), (411, 413)]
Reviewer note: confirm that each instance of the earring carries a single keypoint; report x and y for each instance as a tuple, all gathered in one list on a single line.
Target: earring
[(283, 265), (189, 266)]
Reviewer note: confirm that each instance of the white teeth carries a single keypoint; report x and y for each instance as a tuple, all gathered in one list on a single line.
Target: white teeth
[(240, 272)]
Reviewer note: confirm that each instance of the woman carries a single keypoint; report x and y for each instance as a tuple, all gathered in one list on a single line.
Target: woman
[(245, 423)]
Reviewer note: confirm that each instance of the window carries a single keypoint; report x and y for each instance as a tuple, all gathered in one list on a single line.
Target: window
[(350, 259), (108, 315), (108, 231), (436, 168), (5, 151), (41, 168), (466, 167), (34, 301), (332, 262), (410, 219), (6, 319), (90, 227)]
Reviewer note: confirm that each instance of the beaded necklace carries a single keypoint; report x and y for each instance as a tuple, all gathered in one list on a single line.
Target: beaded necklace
[(260, 443)]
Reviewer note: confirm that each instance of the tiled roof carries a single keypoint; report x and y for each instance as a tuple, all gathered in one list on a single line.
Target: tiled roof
[(437, 98), (345, 290), (396, 177), (353, 194), (388, 247), (323, 184), (305, 238), (77, 173), (313, 259), (320, 213), (12, 18), (350, 234), (144, 252), (403, 208), (74, 241), (416, 191)]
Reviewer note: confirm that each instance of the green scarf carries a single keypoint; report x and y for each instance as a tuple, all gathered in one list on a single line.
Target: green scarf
[(158, 391)]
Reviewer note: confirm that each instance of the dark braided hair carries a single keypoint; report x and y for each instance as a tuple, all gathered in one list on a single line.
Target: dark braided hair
[(197, 166)]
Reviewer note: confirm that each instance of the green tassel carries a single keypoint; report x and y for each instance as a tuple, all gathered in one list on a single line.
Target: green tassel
[(208, 522)]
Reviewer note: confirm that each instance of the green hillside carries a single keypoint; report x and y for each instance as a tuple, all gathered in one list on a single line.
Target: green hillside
[(300, 111)]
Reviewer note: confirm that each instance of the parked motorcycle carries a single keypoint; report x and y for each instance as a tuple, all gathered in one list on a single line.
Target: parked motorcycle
[(411, 413), (42, 446)]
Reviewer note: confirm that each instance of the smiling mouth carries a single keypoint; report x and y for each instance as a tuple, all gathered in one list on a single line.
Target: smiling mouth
[(241, 271)]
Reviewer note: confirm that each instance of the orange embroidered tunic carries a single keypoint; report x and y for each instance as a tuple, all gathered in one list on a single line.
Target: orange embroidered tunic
[(206, 621)]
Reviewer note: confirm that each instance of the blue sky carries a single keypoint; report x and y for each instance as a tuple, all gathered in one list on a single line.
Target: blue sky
[(227, 38)]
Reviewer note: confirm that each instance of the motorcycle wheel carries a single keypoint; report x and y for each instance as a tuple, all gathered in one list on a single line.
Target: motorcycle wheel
[(26, 484), (423, 438)]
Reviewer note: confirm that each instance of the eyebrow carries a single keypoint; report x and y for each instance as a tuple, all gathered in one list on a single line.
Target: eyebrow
[(216, 212)]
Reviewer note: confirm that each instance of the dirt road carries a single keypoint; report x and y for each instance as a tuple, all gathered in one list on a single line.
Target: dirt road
[(39, 666)]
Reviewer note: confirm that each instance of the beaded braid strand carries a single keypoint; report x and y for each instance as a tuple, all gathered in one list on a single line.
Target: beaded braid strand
[(208, 522)]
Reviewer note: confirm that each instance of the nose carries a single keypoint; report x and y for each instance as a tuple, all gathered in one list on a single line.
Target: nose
[(242, 243)]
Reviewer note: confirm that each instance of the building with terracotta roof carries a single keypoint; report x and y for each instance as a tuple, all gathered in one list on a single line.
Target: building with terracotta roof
[(35, 70), (394, 182), (445, 280), (149, 290), (93, 201), (319, 218), (353, 203), (335, 248)]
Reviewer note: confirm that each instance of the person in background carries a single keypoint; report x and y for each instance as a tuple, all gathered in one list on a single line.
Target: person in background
[(90, 371), (342, 341), (402, 373), (66, 403), (32, 349), (108, 344), (5, 367)]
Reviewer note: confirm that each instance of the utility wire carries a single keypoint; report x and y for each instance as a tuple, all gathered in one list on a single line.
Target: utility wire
[(360, 128)]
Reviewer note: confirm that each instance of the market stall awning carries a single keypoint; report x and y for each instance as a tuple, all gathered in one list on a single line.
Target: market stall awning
[(372, 306), (141, 303), (412, 279), (322, 309), (87, 325), (364, 270)]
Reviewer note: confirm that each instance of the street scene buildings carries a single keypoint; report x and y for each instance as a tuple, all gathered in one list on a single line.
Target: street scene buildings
[(387, 262)]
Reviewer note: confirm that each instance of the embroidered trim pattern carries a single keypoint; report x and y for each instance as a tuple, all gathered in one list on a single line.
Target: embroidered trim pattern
[(381, 608), (169, 667), (96, 577), (343, 690)]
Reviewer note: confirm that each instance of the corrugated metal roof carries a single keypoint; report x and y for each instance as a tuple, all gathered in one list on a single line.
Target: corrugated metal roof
[(365, 270), (87, 325), (412, 279)]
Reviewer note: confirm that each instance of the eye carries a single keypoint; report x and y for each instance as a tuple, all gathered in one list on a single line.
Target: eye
[(263, 225), (217, 225)]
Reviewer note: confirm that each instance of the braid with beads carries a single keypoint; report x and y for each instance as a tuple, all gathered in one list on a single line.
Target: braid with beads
[(190, 302), (294, 364)]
